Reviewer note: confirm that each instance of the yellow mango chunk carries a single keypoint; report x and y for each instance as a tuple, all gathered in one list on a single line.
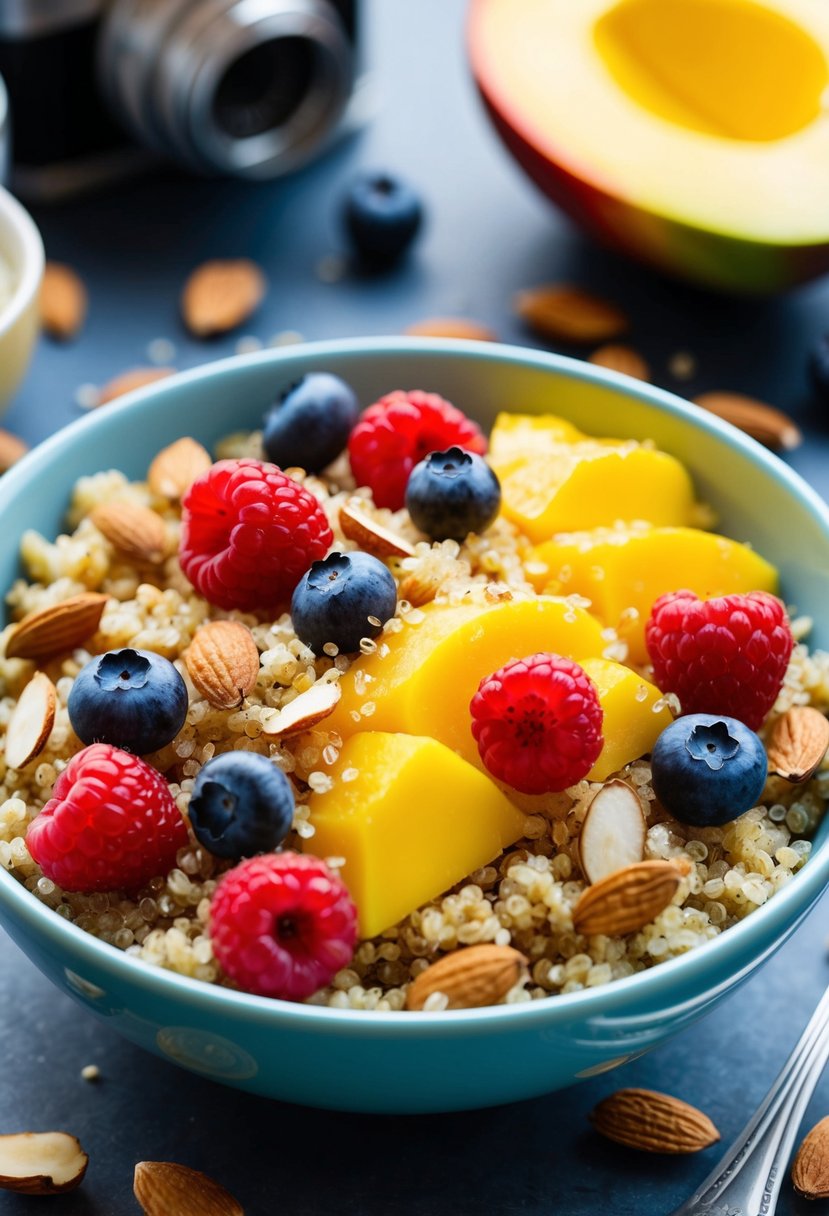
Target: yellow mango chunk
[(424, 685), (592, 485), (413, 820), (630, 724), (626, 568), (516, 435)]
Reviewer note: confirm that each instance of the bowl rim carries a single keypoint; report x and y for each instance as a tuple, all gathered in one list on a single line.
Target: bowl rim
[(32, 263), (772, 922)]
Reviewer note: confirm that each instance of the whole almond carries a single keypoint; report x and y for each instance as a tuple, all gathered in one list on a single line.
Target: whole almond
[(63, 301), (135, 530), (223, 663), (474, 976), (59, 627), (562, 313), (129, 381), (11, 450), (622, 359), (220, 295), (810, 1168), (798, 742), (176, 467), (166, 1189), (451, 327), (629, 898), (653, 1122), (31, 721), (41, 1163), (764, 423), (358, 525)]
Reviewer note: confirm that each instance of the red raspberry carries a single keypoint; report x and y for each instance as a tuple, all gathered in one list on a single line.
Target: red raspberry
[(399, 431), (249, 533), (720, 656), (111, 824), (538, 723), (282, 925)]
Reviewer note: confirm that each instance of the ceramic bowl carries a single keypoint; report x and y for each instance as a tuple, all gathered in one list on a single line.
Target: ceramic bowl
[(22, 250), (416, 1062)]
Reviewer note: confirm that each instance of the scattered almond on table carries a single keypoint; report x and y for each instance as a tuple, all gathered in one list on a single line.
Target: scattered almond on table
[(130, 380), (11, 450), (451, 327), (810, 1168), (166, 1189), (41, 1163), (561, 313), (653, 1122), (764, 423), (219, 295), (620, 358), (63, 301)]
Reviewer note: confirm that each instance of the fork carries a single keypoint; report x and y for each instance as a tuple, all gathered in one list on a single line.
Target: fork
[(747, 1180)]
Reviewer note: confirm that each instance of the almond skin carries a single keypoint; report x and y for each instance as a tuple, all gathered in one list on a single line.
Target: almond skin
[(63, 301), (474, 976), (622, 359), (59, 627), (798, 742), (562, 313), (135, 530), (451, 327), (653, 1122), (166, 1189), (628, 899), (764, 423), (220, 295), (129, 381), (176, 467), (810, 1168), (223, 663)]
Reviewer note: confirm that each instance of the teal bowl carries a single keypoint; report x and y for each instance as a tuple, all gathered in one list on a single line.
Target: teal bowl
[(414, 1062)]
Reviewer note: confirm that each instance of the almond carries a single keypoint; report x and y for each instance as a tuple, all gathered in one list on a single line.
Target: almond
[(63, 301), (305, 711), (419, 588), (31, 721), (567, 314), (41, 1163), (798, 742), (59, 627), (622, 359), (132, 379), (166, 1189), (810, 1168), (218, 296), (135, 530), (627, 899), (223, 663), (11, 450), (357, 525), (451, 327), (474, 976), (613, 831), (176, 467), (764, 423), (653, 1122)]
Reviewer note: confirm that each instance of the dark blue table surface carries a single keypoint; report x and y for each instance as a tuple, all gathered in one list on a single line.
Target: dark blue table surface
[(488, 235)]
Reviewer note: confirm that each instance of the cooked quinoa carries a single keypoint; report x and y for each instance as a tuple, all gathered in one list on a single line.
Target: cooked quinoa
[(525, 898)]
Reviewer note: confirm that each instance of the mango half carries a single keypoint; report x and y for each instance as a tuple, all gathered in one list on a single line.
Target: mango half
[(688, 133)]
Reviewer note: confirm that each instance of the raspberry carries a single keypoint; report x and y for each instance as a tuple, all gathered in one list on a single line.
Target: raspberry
[(282, 925), (538, 723), (111, 824), (248, 534), (399, 431), (720, 656)]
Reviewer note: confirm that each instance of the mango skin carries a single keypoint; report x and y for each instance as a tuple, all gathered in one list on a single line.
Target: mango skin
[(628, 568), (414, 821), (630, 725)]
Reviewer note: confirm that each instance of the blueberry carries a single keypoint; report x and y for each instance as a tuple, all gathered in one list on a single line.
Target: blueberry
[(819, 367), (342, 599), (452, 493), (133, 699), (309, 424), (707, 770), (241, 804), (382, 215)]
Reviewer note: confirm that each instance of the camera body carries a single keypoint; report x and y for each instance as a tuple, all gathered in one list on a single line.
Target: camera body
[(251, 88)]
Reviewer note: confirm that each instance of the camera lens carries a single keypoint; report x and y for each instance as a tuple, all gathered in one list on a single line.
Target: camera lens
[(263, 88)]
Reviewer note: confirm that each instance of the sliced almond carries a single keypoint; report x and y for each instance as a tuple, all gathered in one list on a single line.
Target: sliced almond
[(798, 742), (132, 379), (165, 1189), (305, 711), (31, 722), (613, 831), (622, 359), (653, 1122), (810, 1168), (135, 530), (628, 899), (63, 301), (419, 587), (469, 978), (451, 327), (358, 526), (562, 313), (220, 295), (223, 663), (59, 627), (41, 1163), (12, 449), (764, 423), (176, 467)]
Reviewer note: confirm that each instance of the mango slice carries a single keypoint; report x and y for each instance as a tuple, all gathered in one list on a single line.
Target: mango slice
[(412, 820), (631, 723), (528, 435), (627, 568)]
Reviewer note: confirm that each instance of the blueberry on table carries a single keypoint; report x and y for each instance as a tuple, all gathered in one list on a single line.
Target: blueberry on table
[(241, 804), (133, 699), (382, 215), (341, 600), (708, 770), (453, 493), (309, 424)]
